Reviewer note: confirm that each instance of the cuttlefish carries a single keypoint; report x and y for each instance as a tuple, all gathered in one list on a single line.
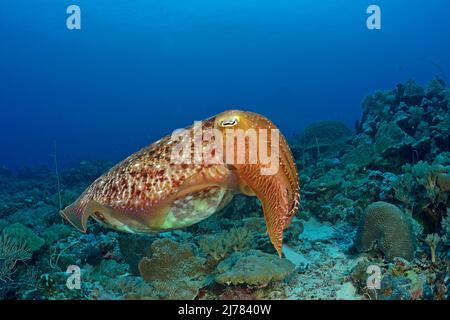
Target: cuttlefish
[(150, 192)]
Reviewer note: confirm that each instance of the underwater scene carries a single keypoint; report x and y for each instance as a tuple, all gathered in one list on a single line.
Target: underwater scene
[(224, 150)]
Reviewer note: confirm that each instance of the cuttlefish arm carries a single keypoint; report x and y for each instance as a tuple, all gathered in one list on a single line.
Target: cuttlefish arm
[(278, 192), (272, 193)]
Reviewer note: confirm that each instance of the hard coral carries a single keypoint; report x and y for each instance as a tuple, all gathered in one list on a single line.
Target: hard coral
[(21, 233), (170, 260), (433, 240), (325, 137), (386, 226), (222, 244), (253, 267), (174, 270)]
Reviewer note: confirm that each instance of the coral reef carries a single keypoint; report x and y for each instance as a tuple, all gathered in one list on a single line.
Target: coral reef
[(11, 252), (218, 246), (321, 139), (174, 269), (386, 184), (387, 227), (253, 267), (25, 235), (433, 240)]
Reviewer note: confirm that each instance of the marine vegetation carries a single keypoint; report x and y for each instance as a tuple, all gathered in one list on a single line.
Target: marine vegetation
[(375, 195)]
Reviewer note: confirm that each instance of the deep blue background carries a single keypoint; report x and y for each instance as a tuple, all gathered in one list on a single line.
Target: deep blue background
[(139, 69)]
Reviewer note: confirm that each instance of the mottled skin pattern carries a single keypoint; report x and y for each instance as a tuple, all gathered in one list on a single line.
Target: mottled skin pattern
[(147, 192)]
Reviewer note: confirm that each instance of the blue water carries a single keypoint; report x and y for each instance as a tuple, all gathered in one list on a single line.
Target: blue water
[(139, 69)]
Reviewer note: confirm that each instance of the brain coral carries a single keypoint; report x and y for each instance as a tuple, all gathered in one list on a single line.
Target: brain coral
[(253, 267), (387, 226)]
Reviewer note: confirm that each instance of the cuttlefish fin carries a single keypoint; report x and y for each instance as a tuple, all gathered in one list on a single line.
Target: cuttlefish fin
[(78, 214), (272, 193)]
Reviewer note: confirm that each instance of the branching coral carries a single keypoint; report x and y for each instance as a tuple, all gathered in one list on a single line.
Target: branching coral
[(11, 252), (424, 187), (426, 175), (387, 227), (433, 240)]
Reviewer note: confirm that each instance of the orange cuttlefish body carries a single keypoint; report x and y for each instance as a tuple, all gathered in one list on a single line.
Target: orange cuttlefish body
[(150, 192)]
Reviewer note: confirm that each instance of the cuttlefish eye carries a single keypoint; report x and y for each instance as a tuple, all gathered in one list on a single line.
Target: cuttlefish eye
[(229, 122)]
